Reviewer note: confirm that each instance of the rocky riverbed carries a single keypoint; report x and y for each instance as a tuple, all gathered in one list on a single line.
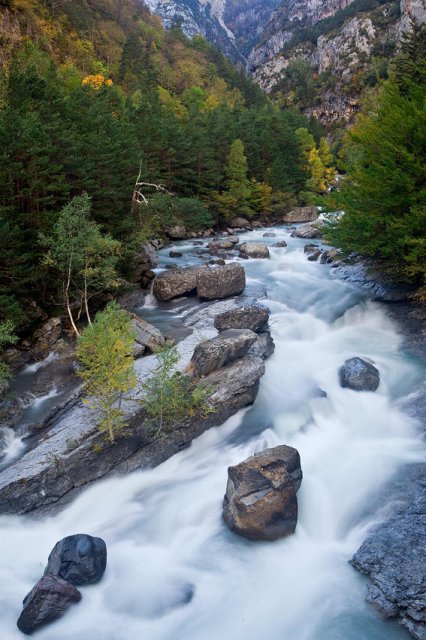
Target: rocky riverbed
[(361, 456)]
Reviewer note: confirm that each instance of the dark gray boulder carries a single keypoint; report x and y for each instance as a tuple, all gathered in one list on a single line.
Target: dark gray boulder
[(269, 234), (280, 245), (359, 375), (220, 281), (254, 317), (47, 601), (175, 254), (264, 345), (227, 347), (260, 501), (79, 559)]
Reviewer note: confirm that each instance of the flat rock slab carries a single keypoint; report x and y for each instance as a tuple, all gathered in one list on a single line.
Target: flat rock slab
[(260, 501), (46, 602), (254, 317)]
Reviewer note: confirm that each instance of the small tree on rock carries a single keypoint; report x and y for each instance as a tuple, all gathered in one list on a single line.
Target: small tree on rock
[(105, 353)]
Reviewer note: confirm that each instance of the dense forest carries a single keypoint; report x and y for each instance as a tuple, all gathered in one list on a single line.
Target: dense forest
[(91, 97), (383, 193)]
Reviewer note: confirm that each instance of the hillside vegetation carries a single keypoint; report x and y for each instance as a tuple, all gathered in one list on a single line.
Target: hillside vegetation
[(91, 93)]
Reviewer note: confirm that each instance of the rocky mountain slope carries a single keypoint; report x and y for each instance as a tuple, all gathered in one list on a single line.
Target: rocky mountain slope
[(318, 56)]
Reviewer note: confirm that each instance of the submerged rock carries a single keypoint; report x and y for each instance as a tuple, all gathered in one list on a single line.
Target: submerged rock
[(359, 375), (254, 250), (260, 501), (46, 602), (225, 348), (221, 281), (79, 559), (254, 317), (269, 234), (280, 245)]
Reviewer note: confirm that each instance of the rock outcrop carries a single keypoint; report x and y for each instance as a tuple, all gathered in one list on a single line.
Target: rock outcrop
[(393, 555), (72, 452), (46, 602), (45, 337), (359, 375), (144, 261), (260, 501)]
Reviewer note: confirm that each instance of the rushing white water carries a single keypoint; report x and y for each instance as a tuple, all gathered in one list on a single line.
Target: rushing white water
[(174, 571)]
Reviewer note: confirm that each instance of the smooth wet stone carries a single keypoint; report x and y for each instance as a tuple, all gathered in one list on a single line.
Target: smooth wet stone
[(47, 601), (359, 375), (79, 559)]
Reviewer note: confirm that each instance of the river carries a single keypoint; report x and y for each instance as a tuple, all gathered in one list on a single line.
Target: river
[(174, 571)]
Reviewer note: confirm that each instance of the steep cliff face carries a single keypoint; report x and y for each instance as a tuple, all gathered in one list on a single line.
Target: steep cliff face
[(321, 55)]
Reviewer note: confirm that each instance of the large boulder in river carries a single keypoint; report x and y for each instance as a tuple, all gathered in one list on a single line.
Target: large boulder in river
[(260, 501), (253, 316), (79, 559), (174, 283), (225, 348), (221, 281), (46, 602), (239, 223), (254, 250), (177, 232), (309, 231), (359, 375), (300, 214)]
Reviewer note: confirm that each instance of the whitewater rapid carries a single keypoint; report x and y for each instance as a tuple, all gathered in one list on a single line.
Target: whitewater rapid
[(174, 571)]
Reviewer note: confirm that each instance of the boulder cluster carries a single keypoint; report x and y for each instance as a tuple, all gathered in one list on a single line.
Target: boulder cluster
[(75, 561)]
